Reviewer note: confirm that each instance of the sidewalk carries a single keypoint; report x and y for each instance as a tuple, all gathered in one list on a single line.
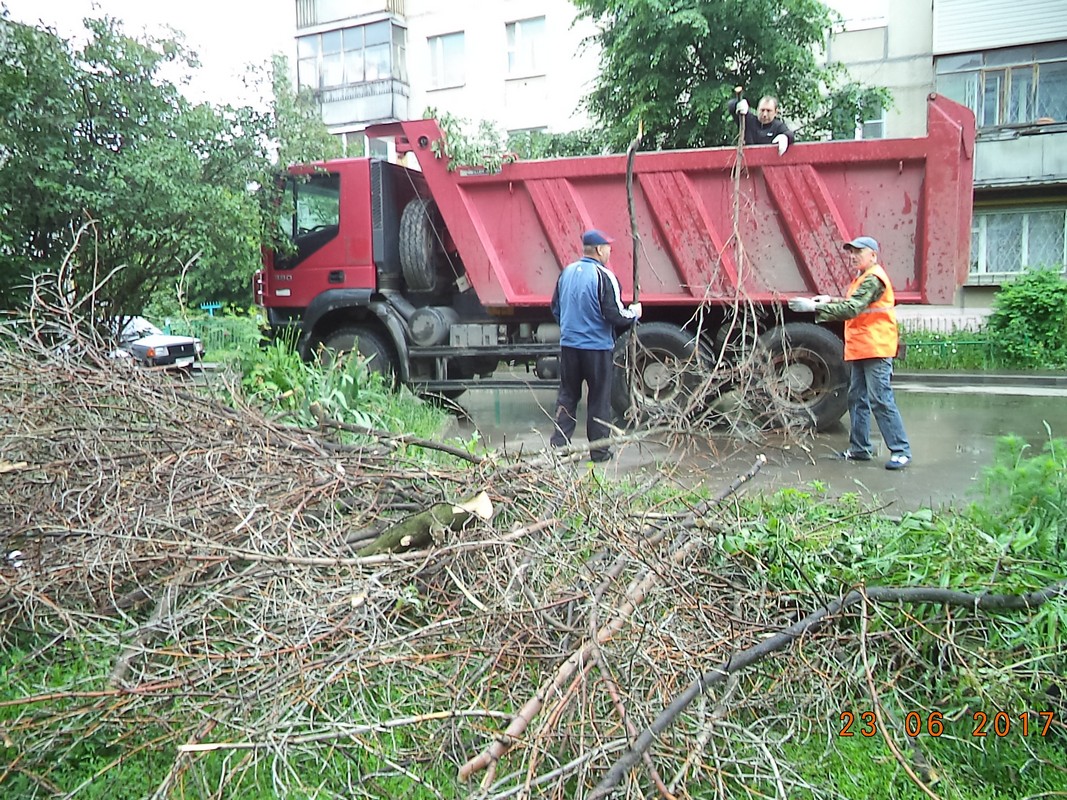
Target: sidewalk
[(1055, 380)]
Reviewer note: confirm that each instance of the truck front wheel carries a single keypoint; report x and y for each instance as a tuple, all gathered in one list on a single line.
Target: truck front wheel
[(370, 344), (664, 376), (803, 375)]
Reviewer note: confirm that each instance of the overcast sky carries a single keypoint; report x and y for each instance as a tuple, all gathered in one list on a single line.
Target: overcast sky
[(226, 34)]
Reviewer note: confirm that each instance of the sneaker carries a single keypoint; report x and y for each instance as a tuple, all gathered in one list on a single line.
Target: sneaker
[(848, 455), (898, 461)]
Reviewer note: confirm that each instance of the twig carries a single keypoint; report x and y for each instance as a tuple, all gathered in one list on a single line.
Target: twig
[(785, 638), (882, 728)]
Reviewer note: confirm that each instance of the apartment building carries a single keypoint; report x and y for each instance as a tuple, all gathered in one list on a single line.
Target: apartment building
[(522, 64), (1008, 63)]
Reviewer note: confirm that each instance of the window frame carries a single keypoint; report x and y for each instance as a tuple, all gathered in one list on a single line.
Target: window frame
[(525, 48), (312, 56), (442, 76), (877, 125), (990, 83), (978, 270)]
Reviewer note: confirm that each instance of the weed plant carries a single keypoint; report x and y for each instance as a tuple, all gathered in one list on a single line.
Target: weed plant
[(346, 389), (927, 659)]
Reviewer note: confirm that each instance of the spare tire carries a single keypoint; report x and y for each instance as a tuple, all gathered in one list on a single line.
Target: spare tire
[(419, 248)]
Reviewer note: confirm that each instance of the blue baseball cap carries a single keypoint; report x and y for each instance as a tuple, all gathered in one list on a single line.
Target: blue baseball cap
[(594, 237), (860, 242)]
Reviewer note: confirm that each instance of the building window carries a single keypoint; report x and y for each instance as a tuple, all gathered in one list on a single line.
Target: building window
[(447, 60), (874, 126), (349, 56), (525, 43), (1013, 86), (1008, 242)]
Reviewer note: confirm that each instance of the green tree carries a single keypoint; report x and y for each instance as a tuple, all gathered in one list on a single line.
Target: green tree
[(675, 65), (177, 193), (540, 144)]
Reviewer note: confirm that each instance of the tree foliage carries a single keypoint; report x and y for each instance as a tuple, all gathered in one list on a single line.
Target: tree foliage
[(675, 63), (94, 133)]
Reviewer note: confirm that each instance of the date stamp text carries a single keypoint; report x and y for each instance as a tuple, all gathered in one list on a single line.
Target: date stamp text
[(933, 723)]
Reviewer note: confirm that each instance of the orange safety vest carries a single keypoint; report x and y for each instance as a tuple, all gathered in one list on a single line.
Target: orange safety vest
[(873, 332)]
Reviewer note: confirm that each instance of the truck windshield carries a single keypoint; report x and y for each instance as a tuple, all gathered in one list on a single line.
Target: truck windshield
[(311, 215)]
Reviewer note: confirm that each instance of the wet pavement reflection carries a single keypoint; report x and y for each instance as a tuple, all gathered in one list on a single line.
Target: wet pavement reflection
[(953, 430)]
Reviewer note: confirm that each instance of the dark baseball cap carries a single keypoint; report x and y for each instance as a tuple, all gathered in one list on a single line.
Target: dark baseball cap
[(860, 242), (594, 237)]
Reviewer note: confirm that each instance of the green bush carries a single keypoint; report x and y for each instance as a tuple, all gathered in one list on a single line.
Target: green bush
[(1029, 319)]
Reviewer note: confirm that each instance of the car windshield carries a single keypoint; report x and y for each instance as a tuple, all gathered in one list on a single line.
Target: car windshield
[(138, 328)]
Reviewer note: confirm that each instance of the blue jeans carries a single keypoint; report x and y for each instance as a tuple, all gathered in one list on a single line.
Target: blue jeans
[(869, 391)]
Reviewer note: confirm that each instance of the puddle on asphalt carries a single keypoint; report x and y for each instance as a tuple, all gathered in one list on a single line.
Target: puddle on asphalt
[(953, 435)]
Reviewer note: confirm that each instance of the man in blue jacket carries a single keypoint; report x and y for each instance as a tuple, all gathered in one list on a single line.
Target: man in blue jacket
[(588, 305)]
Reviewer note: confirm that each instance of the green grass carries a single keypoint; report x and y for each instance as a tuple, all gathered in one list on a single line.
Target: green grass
[(959, 351), (964, 767)]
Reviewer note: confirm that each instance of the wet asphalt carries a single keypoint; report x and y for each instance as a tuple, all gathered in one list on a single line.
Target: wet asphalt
[(953, 422)]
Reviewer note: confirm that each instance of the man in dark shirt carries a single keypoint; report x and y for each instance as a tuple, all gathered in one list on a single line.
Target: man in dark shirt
[(764, 127)]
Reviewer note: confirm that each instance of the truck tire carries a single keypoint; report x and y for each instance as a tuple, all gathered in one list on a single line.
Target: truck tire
[(805, 378), (665, 376), (369, 343), (418, 245)]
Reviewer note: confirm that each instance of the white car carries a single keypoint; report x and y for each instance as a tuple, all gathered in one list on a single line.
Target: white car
[(148, 345)]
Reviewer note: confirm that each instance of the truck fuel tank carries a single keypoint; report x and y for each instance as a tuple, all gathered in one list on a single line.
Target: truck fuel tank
[(430, 325)]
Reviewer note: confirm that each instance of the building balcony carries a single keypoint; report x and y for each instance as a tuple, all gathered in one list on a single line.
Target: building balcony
[(310, 13), (363, 103), (1021, 156)]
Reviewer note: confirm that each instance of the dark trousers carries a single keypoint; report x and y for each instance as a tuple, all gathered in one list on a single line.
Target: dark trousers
[(593, 367)]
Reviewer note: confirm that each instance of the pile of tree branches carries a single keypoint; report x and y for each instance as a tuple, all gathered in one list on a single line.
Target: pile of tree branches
[(215, 576)]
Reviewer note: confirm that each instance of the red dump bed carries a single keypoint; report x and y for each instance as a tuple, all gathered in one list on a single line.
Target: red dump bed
[(516, 229)]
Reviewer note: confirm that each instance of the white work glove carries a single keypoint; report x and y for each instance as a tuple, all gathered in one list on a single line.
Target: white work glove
[(783, 143), (805, 305), (742, 106), (635, 309), (822, 299)]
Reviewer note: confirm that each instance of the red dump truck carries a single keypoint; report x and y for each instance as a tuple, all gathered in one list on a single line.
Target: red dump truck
[(442, 274)]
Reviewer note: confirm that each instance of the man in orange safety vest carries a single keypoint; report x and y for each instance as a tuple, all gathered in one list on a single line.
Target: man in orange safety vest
[(871, 341)]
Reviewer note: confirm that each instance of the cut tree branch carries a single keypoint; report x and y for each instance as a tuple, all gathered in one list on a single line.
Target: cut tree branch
[(811, 623)]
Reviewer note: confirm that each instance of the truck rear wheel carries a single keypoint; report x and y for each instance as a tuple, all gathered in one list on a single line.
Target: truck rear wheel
[(664, 376), (804, 375), (418, 245), (370, 344)]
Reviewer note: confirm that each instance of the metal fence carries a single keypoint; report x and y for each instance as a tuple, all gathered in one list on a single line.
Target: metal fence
[(219, 334)]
